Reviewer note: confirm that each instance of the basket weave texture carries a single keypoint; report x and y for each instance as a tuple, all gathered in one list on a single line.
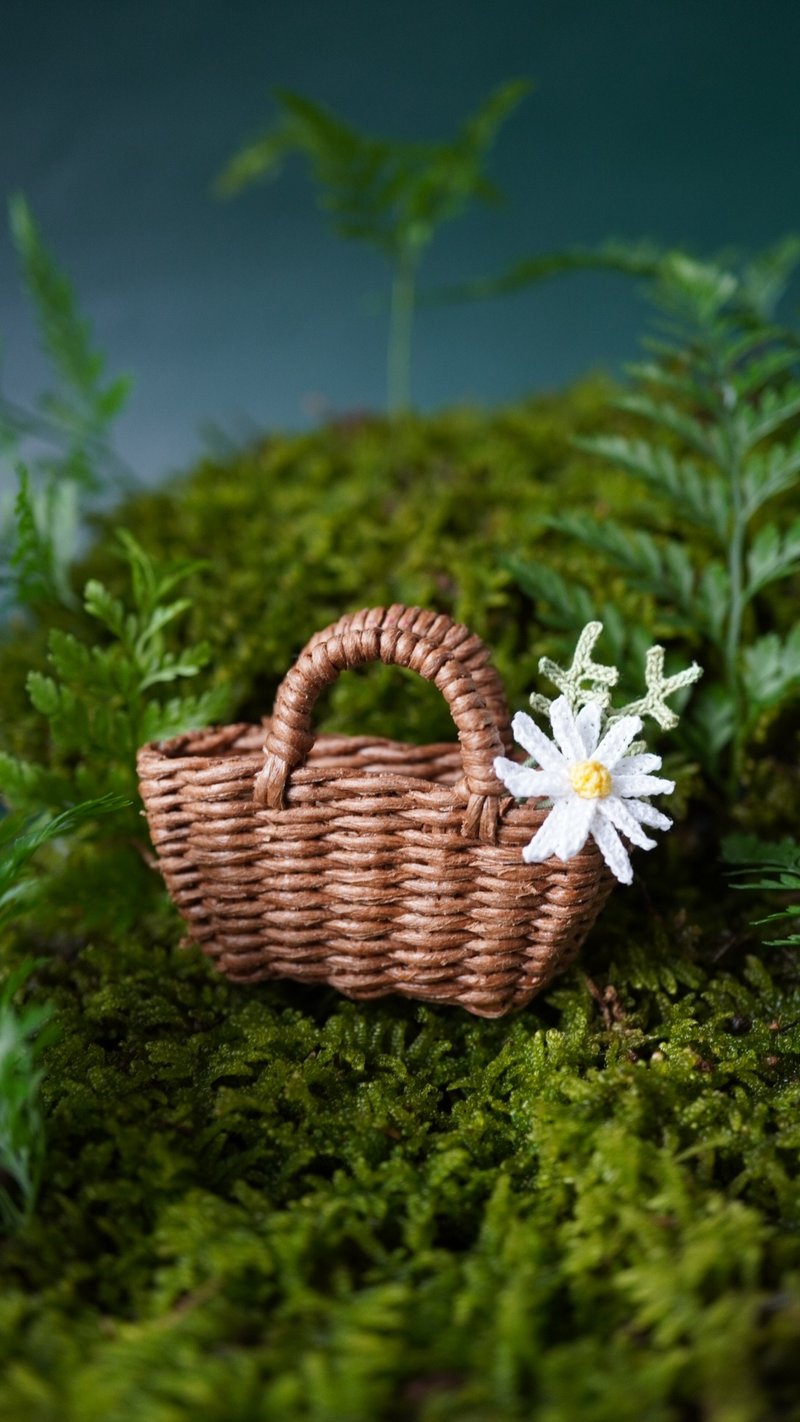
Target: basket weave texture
[(371, 865)]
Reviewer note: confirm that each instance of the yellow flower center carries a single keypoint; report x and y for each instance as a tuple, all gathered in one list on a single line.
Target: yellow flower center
[(590, 780)]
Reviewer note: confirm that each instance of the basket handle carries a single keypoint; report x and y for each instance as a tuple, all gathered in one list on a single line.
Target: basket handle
[(438, 630), (393, 636)]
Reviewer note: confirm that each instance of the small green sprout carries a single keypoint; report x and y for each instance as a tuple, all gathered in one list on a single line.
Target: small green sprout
[(389, 193)]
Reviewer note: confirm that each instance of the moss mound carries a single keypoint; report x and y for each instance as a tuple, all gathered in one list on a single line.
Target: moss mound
[(366, 512), (275, 1204)]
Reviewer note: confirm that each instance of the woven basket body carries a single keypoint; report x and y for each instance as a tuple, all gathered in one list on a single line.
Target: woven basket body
[(374, 866)]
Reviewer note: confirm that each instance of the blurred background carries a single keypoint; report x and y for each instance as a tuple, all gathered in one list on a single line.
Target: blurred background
[(673, 119)]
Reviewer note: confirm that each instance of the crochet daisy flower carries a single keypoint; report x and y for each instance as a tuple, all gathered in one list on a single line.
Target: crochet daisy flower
[(592, 783)]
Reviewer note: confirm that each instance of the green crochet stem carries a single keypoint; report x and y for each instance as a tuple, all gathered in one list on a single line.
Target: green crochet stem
[(585, 681)]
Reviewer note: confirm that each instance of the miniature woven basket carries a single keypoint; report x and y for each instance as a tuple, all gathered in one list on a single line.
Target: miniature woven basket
[(374, 866)]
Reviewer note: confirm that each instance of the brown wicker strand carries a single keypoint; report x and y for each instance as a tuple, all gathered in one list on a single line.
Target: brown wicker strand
[(351, 644)]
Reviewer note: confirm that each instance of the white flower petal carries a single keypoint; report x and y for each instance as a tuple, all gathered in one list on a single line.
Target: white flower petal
[(526, 783), (565, 731), (574, 826), (612, 849), (642, 764), (616, 740), (535, 742), (648, 814), (623, 784), (588, 722), (548, 835), (616, 811)]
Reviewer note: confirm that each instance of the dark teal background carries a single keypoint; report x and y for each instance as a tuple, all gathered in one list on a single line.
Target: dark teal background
[(676, 119)]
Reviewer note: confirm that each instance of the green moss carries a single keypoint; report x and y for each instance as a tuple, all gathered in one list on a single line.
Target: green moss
[(301, 529), (274, 1204)]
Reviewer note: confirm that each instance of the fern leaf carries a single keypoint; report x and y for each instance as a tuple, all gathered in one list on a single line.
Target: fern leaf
[(18, 848), (701, 497), (710, 725), (782, 856), (769, 473), (89, 669), (713, 600), (772, 555), (32, 558), (44, 693), (64, 334), (669, 377), (256, 162), (26, 787), (772, 667), (664, 415), (161, 720), (632, 550), (771, 867), (761, 369), (89, 404), (769, 413), (765, 279), (100, 604), (157, 622), (568, 606), (172, 668)]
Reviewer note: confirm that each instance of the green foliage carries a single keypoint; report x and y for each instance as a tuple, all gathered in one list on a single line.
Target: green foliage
[(103, 701), (272, 1203), (761, 281), (776, 868), (637, 259), (62, 449), (391, 194), (19, 845), (719, 386), (24, 1035)]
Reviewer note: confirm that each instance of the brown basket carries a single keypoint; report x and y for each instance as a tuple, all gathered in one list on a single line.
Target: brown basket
[(368, 864)]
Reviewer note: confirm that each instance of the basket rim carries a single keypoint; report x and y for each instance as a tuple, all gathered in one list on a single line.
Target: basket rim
[(521, 818)]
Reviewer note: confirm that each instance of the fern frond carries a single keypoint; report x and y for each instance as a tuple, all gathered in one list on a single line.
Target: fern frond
[(772, 410), (390, 193), (765, 279), (711, 726), (699, 496), (89, 402), (666, 416), (759, 370), (772, 667), (662, 568), (27, 787), (32, 558), (772, 556), (161, 720), (18, 846), (567, 605), (671, 377), (769, 472), (759, 865)]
